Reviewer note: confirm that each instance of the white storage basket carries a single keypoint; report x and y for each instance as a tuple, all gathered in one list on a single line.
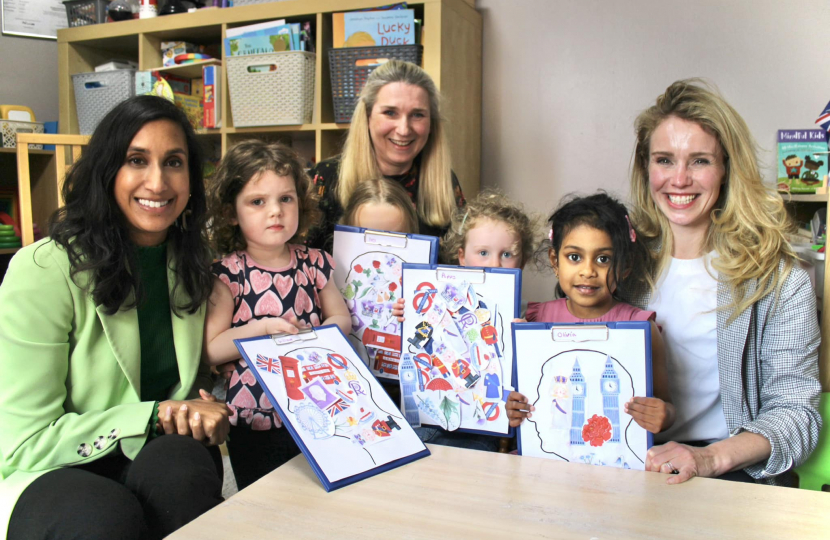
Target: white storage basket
[(10, 128), (271, 89), (96, 94)]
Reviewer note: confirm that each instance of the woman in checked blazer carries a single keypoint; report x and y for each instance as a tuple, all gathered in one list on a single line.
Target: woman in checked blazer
[(738, 313)]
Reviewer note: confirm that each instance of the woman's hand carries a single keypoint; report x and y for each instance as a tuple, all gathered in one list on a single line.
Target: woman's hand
[(397, 309), (682, 462), (206, 419), (518, 408), (652, 414)]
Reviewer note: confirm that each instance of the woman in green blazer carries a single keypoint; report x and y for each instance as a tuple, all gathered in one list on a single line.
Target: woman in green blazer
[(100, 340)]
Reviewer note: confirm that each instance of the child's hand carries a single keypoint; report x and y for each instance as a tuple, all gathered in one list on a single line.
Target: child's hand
[(651, 414), (278, 325), (519, 320), (397, 309), (518, 408)]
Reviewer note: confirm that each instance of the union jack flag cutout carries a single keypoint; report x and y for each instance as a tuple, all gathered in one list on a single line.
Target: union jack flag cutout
[(268, 364), (824, 118)]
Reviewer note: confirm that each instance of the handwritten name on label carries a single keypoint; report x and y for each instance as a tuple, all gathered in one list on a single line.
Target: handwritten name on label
[(385, 240), (471, 276), (584, 333)]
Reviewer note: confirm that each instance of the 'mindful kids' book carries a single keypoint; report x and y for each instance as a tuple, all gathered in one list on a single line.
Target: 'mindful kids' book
[(802, 159)]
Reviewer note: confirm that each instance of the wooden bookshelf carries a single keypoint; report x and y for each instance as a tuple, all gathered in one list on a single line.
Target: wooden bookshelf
[(811, 204), (452, 56)]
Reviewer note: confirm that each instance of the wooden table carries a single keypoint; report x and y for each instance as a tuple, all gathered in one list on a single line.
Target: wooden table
[(459, 493)]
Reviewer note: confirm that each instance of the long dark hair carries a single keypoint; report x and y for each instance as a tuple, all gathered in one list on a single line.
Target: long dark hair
[(604, 213), (93, 231)]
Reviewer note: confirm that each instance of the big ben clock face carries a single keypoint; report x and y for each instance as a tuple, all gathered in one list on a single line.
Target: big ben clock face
[(610, 386), (578, 389), (408, 376)]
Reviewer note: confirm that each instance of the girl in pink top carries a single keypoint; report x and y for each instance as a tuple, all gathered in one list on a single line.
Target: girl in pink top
[(595, 254)]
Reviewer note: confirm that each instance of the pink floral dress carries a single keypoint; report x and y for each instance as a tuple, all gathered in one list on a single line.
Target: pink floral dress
[(259, 292)]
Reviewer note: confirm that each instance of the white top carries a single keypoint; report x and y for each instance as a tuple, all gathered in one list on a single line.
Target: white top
[(685, 302)]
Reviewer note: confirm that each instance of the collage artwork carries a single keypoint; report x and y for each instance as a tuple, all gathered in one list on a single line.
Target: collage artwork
[(579, 388), (456, 360), (336, 408), (368, 274)]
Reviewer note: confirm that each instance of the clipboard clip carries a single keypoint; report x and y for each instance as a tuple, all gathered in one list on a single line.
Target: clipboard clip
[(473, 276), (383, 238), (579, 333), (305, 334)]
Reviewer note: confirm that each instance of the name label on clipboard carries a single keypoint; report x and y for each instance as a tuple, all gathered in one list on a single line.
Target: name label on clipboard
[(470, 275), (380, 238), (579, 333), (305, 334)]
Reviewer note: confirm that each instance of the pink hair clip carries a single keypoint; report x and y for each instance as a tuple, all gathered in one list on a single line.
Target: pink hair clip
[(631, 233), (550, 234)]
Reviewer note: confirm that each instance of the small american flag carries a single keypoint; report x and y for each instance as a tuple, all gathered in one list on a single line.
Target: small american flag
[(824, 118), (268, 364)]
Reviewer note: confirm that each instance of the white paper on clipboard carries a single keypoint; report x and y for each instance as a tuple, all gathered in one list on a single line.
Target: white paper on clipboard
[(367, 271)]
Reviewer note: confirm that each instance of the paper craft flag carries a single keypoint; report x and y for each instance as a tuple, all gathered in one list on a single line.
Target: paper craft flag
[(824, 119)]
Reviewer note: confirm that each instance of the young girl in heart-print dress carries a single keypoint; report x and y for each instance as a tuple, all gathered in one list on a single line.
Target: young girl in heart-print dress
[(261, 203)]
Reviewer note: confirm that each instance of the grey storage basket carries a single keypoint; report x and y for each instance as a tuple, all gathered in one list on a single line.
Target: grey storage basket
[(281, 94), (96, 94)]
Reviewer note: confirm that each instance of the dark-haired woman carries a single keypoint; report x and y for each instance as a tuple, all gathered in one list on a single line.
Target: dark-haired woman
[(100, 341)]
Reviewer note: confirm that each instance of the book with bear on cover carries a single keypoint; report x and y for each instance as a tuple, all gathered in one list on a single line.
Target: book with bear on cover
[(802, 159)]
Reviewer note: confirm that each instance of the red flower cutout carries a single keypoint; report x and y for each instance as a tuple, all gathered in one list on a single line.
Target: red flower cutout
[(393, 286), (596, 431), (376, 264), (358, 269)]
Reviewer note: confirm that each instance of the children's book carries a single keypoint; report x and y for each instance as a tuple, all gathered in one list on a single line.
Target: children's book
[(212, 99), (367, 271), (338, 414), (802, 159), (579, 376), (379, 28), (457, 357)]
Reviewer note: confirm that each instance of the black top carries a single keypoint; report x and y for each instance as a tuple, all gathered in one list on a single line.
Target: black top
[(325, 175)]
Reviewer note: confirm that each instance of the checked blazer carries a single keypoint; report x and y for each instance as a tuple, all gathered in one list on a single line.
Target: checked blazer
[(768, 367)]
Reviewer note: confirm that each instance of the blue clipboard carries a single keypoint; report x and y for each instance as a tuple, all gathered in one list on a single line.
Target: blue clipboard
[(326, 336), (365, 264), (586, 343), (376, 237), (504, 331)]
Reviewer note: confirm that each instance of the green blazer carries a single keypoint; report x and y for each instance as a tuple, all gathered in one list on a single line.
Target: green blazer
[(69, 390)]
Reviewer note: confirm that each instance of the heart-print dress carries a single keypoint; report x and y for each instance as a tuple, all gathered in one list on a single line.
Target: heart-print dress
[(259, 292)]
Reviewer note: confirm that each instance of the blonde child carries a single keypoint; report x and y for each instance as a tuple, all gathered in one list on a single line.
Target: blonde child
[(493, 232), (261, 204), (595, 255), (382, 205)]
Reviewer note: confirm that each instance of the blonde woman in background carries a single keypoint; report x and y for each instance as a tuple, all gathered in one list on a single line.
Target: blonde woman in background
[(738, 314), (397, 133)]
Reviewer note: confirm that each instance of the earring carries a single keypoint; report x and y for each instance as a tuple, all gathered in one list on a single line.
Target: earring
[(183, 224)]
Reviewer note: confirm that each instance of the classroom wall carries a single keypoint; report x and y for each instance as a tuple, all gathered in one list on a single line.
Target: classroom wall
[(29, 75), (563, 81)]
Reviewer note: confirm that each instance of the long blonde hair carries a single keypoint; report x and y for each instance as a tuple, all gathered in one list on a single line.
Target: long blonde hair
[(749, 221), (382, 191), (358, 161)]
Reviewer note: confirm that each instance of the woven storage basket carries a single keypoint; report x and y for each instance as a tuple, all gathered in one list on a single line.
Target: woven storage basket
[(10, 128), (96, 94), (84, 12), (284, 95), (348, 79)]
